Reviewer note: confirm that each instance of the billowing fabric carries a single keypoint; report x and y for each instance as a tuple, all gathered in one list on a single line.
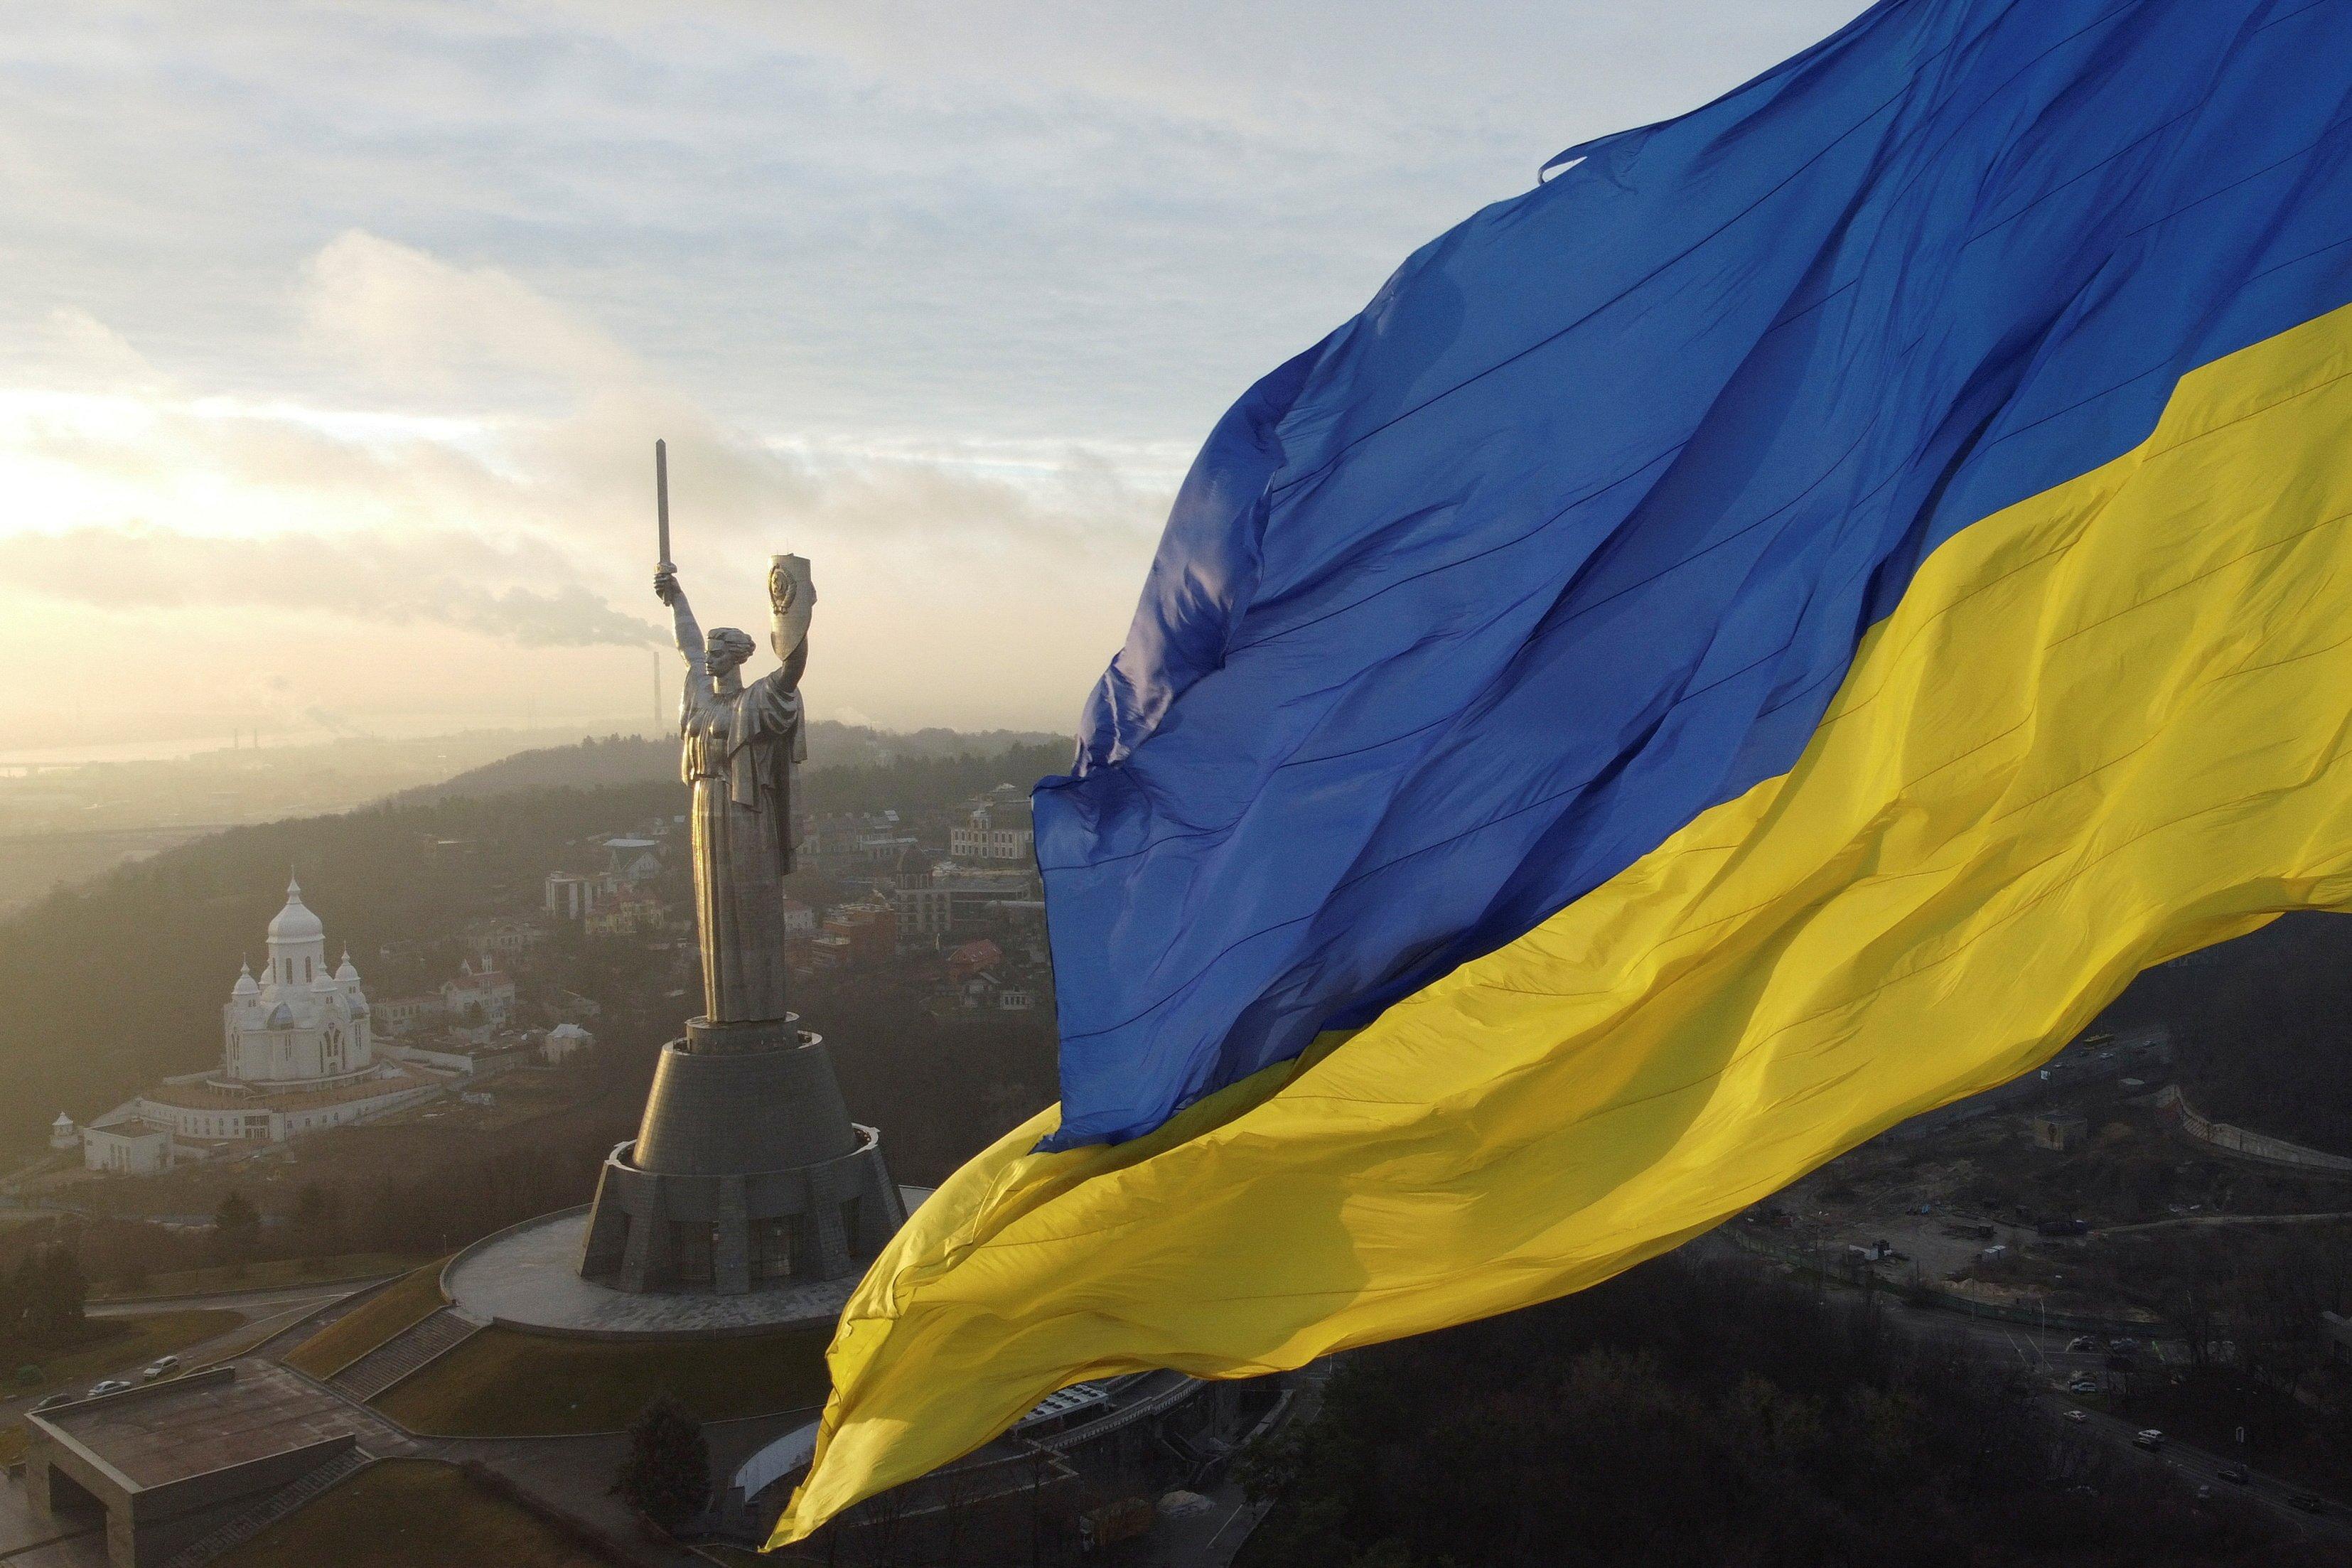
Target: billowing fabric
[(1931, 606), (1572, 532)]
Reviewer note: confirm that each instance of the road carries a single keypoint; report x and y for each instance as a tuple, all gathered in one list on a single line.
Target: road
[(2043, 1354), (254, 1303), (263, 1312)]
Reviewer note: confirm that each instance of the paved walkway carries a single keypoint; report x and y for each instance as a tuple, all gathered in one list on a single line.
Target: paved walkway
[(28, 1541), (527, 1276)]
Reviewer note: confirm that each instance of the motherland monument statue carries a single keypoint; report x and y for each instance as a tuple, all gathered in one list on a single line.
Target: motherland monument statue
[(741, 744), (746, 1173)]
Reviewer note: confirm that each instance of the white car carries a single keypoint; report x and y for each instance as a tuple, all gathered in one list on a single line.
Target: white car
[(112, 1385), (162, 1366), (2151, 1439), (2076, 1416)]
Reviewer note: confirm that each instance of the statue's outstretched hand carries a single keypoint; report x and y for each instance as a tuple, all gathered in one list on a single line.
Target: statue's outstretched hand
[(665, 588)]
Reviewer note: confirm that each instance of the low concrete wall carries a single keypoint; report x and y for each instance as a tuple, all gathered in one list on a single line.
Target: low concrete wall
[(2248, 1145)]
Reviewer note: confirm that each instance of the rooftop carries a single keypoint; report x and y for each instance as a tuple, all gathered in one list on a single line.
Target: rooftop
[(168, 1432), (211, 1096)]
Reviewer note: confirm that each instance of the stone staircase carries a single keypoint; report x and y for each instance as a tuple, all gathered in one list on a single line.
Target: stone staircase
[(435, 1335), (245, 1526)]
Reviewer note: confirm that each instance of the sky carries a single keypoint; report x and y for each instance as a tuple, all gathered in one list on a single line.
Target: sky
[(337, 336)]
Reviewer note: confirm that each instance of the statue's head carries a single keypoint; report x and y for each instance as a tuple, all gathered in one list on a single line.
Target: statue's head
[(725, 649), (792, 595)]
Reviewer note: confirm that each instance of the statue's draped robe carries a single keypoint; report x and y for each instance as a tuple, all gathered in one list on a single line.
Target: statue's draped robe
[(738, 754)]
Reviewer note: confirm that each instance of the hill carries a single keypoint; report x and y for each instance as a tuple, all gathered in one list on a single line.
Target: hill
[(642, 759), (112, 982)]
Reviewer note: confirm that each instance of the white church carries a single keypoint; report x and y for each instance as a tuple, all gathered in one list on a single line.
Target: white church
[(298, 1055)]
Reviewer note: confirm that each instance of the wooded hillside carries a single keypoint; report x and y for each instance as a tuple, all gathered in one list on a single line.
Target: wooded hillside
[(108, 984)]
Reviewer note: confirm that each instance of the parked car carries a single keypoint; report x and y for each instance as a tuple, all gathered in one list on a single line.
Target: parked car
[(2084, 1386), (112, 1385), (2310, 1502), (2149, 1438), (2082, 1342), (52, 1402), (2237, 1474), (2126, 1345), (2076, 1416), (162, 1366)]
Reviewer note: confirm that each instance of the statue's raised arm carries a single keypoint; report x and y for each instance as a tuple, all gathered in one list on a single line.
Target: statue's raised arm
[(689, 630), (792, 600)]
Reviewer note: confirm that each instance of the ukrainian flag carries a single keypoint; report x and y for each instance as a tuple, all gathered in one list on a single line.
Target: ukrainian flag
[(1760, 637)]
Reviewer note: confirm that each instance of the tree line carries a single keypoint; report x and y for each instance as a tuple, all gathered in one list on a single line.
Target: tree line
[(1690, 1413)]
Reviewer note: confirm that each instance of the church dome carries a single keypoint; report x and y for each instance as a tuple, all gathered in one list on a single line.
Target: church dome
[(344, 973), (295, 922), (246, 986)]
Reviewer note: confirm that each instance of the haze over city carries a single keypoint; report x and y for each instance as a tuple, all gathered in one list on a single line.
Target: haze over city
[(339, 337)]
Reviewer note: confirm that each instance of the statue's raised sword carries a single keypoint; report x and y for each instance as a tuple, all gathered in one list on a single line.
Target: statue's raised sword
[(661, 500)]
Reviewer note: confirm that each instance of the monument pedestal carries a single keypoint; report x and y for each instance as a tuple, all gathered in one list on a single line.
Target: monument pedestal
[(746, 1173)]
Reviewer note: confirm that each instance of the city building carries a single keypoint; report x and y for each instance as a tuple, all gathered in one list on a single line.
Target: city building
[(627, 912), (852, 843), (998, 828), (863, 935), (972, 959), (297, 1054), (463, 1058), (478, 995), (408, 1015), (505, 936), (948, 903), (569, 896), (558, 1045), (63, 1133), (632, 861)]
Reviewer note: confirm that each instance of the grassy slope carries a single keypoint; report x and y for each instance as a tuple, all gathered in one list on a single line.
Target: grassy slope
[(406, 1513), (228, 1279), (504, 1383), (369, 1324)]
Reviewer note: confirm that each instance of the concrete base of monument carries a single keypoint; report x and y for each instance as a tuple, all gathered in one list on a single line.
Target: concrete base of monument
[(527, 1278)]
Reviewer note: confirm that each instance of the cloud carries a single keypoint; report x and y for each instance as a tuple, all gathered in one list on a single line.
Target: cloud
[(452, 580), (421, 323), (968, 581), (942, 296)]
